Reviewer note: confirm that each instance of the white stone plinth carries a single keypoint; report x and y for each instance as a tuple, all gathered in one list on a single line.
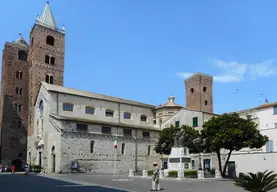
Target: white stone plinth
[(200, 174), (165, 172), (180, 174), (131, 173), (217, 174), (145, 173), (162, 174)]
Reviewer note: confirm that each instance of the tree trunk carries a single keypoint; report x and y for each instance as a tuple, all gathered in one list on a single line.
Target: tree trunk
[(219, 162), (226, 162)]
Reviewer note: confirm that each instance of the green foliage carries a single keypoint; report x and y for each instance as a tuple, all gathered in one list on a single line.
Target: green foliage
[(188, 135), (150, 172), (232, 133), (166, 136), (191, 173), (172, 173), (35, 168), (187, 173), (259, 182)]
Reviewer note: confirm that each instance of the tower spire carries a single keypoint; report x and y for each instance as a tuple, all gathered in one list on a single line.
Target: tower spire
[(47, 18)]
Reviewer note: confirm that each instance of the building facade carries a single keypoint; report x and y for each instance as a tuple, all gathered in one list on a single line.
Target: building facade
[(72, 125), (247, 159), (23, 68)]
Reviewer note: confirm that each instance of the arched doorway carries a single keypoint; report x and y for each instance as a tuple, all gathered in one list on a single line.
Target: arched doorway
[(18, 164)]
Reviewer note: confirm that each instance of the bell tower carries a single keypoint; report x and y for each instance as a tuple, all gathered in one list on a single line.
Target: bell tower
[(199, 92), (46, 57)]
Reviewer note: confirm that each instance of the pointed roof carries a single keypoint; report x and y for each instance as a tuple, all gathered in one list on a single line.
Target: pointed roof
[(21, 41), (47, 18)]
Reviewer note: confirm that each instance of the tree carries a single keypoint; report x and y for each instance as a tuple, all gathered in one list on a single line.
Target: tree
[(191, 138), (166, 140), (232, 133), (259, 182)]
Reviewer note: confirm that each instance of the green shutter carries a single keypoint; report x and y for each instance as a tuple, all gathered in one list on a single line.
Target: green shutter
[(177, 124), (195, 121)]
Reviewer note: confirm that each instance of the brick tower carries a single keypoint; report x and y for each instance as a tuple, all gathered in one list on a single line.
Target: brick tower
[(14, 102), (46, 57), (199, 92)]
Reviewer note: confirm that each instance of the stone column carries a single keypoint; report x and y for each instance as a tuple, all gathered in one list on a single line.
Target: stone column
[(200, 174)]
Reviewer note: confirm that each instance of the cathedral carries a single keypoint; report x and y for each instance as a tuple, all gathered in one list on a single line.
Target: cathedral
[(46, 124)]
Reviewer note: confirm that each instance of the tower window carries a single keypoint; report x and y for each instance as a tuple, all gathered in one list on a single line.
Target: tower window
[(19, 74), (149, 150), (191, 90), (49, 79), (204, 89), (18, 91), (17, 107), (67, 106), (22, 55), (206, 102), (52, 60), (47, 59), (50, 40)]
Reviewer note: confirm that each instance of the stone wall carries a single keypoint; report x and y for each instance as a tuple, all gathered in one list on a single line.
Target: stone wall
[(77, 146)]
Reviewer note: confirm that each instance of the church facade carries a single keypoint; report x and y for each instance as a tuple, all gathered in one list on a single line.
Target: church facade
[(46, 124)]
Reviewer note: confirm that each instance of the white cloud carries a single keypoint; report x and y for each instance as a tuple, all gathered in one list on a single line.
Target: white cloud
[(235, 72)]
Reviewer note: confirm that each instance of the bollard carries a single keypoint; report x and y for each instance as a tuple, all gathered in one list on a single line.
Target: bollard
[(161, 174), (131, 173), (200, 174), (145, 173), (217, 174), (180, 175)]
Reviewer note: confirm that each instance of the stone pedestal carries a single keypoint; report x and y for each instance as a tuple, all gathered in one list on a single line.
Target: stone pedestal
[(162, 174), (180, 174), (145, 173), (178, 154), (200, 174), (131, 173), (217, 174), (165, 173)]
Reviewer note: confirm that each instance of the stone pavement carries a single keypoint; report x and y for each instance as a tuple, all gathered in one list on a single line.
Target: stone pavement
[(139, 184), (34, 183)]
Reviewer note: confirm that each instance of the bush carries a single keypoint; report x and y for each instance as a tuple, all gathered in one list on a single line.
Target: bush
[(172, 173), (35, 168), (190, 173), (150, 172)]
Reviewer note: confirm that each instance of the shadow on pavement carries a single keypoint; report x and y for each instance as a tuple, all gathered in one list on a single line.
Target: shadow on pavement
[(34, 183)]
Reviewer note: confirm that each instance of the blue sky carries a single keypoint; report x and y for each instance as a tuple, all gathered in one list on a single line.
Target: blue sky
[(142, 50)]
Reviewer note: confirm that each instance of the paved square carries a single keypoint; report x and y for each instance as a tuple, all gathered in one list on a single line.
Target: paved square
[(144, 184)]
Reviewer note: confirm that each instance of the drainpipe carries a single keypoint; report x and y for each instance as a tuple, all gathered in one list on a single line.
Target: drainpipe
[(136, 151)]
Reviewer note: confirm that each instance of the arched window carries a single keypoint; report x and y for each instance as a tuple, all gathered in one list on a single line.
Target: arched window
[(47, 59), (52, 61), (92, 146), (50, 40), (22, 55), (18, 124), (41, 107), (51, 79), (206, 102), (149, 150), (191, 90), (17, 107), (204, 89), (123, 149)]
